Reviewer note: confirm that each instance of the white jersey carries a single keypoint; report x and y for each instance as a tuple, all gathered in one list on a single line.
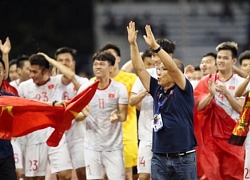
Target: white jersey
[(48, 92), (231, 85), (71, 90), (247, 141), (77, 129), (15, 83), (101, 134), (146, 112)]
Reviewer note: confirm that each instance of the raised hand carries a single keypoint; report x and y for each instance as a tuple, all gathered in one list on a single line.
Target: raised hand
[(132, 33), (149, 37), (45, 55), (6, 47)]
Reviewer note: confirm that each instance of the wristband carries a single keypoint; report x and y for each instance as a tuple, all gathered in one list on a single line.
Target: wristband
[(54, 102), (157, 50)]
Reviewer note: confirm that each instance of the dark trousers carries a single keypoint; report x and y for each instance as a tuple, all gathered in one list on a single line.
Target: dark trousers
[(7, 168)]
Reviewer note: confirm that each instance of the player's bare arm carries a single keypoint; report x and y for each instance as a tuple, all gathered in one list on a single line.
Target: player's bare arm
[(83, 114), (69, 75), (241, 89), (207, 99)]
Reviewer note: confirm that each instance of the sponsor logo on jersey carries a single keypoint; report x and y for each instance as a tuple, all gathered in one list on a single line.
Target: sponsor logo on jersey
[(231, 87)]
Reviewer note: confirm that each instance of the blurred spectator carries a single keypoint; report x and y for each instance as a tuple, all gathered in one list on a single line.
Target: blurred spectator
[(244, 59), (13, 75), (197, 73)]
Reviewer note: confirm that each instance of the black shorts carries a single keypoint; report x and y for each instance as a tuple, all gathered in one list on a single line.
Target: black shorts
[(7, 168), (134, 170)]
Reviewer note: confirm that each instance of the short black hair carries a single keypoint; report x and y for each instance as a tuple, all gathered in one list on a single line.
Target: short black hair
[(244, 55), (63, 50), (231, 46), (37, 59), (12, 62), (20, 61), (104, 56), (197, 68), (210, 54), (166, 44), (179, 64), (145, 54), (111, 46)]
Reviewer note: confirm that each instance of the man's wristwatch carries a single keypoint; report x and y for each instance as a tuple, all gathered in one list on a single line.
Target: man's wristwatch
[(157, 50), (54, 102)]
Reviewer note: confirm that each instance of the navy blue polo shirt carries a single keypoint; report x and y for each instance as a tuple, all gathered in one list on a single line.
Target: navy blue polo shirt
[(5, 148), (5, 145), (177, 134)]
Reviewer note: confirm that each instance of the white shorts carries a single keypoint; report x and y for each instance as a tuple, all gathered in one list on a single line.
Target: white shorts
[(144, 158), (18, 155), (247, 165), (76, 151), (37, 156), (111, 161)]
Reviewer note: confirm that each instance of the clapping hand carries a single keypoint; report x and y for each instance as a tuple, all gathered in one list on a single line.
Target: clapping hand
[(211, 85), (113, 116)]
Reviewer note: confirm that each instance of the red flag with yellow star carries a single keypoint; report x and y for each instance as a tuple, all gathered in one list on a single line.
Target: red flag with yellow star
[(19, 116), (74, 106)]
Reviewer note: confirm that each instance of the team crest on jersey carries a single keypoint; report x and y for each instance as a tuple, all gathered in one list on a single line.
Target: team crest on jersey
[(111, 95), (231, 87), (51, 86)]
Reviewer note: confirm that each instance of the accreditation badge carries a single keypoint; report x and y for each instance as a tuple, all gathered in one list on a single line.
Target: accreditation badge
[(157, 122)]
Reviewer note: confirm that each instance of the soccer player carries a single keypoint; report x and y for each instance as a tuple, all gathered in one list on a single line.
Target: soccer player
[(23, 65), (107, 110), (215, 98), (43, 87), (75, 135), (129, 129)]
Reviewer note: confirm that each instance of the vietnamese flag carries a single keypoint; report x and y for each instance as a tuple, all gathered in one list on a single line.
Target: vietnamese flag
[(19, 116), (213, 127), (73, 107)]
